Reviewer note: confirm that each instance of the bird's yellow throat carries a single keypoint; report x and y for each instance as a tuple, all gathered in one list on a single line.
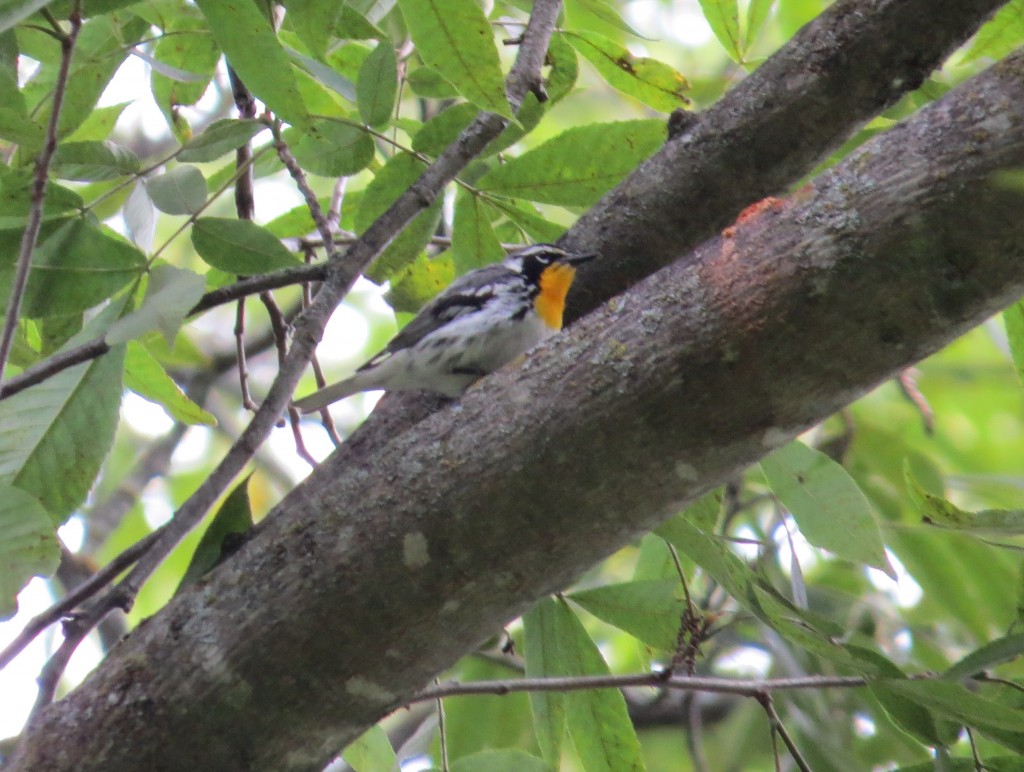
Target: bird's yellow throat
[(554, 286)]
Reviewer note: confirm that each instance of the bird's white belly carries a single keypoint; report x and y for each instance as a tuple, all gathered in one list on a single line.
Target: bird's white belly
[(450, 359)]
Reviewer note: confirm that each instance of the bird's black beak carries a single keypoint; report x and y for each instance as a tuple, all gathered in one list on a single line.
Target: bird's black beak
[(579, 259)]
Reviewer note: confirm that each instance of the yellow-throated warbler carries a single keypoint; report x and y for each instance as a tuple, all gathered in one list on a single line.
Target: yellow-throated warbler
[(482, 321)]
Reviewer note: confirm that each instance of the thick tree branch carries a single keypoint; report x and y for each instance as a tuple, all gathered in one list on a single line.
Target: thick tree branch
[(855, 59), (316, 627)]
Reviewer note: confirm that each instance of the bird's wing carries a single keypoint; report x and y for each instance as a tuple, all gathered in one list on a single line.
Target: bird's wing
[(462, 297)]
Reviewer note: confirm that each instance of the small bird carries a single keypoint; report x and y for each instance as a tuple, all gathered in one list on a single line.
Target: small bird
[(482, 321)]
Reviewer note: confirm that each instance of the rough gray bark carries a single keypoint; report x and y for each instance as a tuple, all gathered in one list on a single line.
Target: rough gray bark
[(854, 60), (385, 568)]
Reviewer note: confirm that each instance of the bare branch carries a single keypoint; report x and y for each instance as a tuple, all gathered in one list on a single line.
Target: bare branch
[(753, 688), (765, 698), (322, 223), (80, 594), (38, 197)]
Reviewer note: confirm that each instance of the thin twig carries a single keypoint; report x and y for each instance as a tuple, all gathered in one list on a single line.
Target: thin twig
[(59, 362), (695, 734), (243, 366), (979, 765), (314, 361), (324, 229), (334, 210), (245, 208), (656, 680), (38, 197), (83, 592), (279, 326), (765, 698), (55, 666), (299, 178)]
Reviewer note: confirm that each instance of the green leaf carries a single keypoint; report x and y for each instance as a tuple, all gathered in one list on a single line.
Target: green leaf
[(186, 47), (372, 752), (54, 331), (324, 74), (942, 513), (314, 21), (543, 649), (724, 19), (506, 760), (564, 68), (473, 241), (144, 375), (19, 128), (355, 26), (222, 537), (757, 15), (751, 591), (239, 246), (579, 165), (654, 560), (15, 200), (648, 610), (830, 508), (992, 653), (75, 266), (1001, 35), (99, 52), (444, 128), (652, 82), (99, 124), (525, 216), (610, 15), (482, 722), (377, 85), (28, 545), (220, 138), (333, 149), (391, 181), (252, 48), (958, 704), (54, 436), (181, 190), (419, 281), (704, 512), (726, 568), (426, 82), (93, 161), (171, 293), (911, 716), (1013, 318), (598, 720), (296, 222), (14, 11), (454, 38), (992, 764)]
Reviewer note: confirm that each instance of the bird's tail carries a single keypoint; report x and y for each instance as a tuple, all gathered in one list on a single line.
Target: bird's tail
[(329, 394)]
